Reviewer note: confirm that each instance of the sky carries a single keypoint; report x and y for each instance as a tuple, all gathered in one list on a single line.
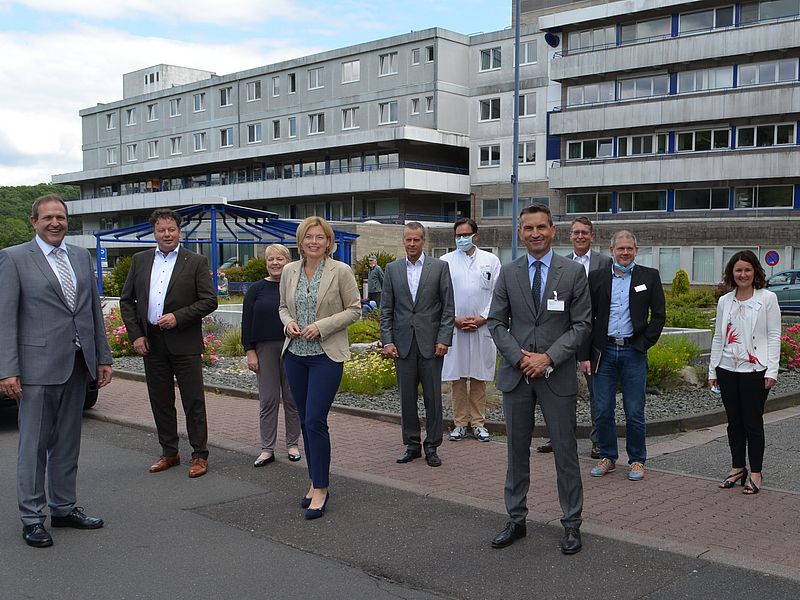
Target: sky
[(60, 56)]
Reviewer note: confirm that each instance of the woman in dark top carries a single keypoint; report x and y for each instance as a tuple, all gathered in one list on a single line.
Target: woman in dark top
[(263, 338)]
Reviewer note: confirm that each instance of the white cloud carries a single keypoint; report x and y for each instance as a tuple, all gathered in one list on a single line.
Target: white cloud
[(44, 83), (198, 11)]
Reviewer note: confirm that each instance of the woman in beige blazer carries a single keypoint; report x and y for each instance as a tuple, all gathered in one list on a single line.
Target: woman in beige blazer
[(318, 299)]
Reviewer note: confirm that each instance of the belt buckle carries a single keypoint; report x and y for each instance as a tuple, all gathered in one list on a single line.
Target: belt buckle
[(619, 341)]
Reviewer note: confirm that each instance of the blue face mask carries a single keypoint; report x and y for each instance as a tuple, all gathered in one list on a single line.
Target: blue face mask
[(622, 269), (464, 243)]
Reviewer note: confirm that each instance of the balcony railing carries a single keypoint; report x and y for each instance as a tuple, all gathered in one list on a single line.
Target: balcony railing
[(297, 172)]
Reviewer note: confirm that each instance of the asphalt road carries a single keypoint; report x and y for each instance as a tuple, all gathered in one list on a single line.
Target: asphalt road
[(239, 533)]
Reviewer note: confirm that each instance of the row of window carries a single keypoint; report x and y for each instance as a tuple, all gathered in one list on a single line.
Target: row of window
[(745, 197), (684, 82), (387, 114), (351, 163), (351, 72), (701, 140), (489, 155), (681, 24)]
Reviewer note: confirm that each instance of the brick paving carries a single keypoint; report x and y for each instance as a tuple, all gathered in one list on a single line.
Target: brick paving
[(679, 512)]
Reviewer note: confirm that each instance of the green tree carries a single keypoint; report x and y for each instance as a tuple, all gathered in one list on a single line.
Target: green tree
[(361, 267), (113, 282), (14, 231), (680, 283), (254, 270)]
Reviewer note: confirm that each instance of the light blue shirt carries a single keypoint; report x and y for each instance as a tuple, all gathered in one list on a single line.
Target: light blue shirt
[(160, 274), (619, 318), (545, 269)]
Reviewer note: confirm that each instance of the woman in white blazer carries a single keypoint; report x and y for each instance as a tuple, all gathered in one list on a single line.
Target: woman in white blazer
[(745, 353), (318, 299)]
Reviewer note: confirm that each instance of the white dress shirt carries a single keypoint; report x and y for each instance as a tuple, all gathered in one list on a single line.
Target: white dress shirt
[(160, 274), (47, 249), (584, 260), (413, 272)]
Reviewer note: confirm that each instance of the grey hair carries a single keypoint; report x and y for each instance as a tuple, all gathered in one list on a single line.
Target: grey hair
[(623, 233), (415, 226)]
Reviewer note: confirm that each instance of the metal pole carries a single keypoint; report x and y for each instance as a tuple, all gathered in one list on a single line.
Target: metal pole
[(99, 267), (515, 141), (214, 254)]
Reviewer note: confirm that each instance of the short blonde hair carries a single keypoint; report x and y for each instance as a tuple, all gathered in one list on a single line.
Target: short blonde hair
[(280, 249), (307, 224)]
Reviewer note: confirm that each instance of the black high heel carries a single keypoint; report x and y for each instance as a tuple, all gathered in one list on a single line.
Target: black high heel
[(751, 489), (316, 513), (731, 480)]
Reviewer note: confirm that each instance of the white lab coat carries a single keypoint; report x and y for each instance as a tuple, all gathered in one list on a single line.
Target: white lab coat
[(473, 353)]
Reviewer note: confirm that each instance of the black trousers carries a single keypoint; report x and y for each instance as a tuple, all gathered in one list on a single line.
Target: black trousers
[(743, 395), (162, 369)]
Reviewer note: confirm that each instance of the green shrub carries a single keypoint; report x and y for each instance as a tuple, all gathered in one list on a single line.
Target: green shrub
[(113, 282), (361, 267), (701, 298), (365, 331), (688, 317), (680, 283), (666, 359), (368, 373), (231, 342), (234, 273), (254, 270)]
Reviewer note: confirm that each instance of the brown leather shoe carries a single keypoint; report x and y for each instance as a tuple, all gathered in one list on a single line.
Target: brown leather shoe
[(165, 462), (199, 467)]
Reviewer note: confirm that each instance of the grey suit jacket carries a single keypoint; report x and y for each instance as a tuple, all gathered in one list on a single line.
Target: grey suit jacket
[(37, 326), (429, 317), (515, 325)]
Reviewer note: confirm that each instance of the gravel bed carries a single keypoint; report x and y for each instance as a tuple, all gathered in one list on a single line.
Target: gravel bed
[(233, 372)]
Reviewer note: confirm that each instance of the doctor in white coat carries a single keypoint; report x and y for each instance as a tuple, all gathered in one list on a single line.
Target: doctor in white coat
[(472, 357)]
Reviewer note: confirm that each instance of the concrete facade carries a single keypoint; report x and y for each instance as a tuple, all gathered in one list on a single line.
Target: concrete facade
[(632, 132)]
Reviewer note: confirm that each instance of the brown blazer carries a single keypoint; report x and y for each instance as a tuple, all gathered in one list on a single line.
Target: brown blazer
[(338, 305), (190, 297)]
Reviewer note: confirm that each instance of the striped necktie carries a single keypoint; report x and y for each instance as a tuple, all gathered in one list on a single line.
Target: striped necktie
[(64, 274), (537, 285)]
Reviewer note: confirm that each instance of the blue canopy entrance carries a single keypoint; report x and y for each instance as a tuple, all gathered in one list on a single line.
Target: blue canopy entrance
[(221, 223)]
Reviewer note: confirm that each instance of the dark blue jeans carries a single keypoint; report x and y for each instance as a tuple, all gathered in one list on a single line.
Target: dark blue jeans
[(314, 381), (628, 366)]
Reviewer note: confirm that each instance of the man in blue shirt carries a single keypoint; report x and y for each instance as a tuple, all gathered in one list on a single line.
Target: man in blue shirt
[(628, 314)]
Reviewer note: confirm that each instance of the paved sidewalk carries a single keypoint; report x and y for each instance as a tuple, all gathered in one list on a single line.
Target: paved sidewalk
[(672, 511)]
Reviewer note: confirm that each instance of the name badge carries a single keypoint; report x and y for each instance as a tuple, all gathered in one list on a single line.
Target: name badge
[(555, 305), (640, 288)]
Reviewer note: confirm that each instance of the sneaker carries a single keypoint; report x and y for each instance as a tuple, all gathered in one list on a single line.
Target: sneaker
[(458, 433), (481, 434), (604, 467), (637, 471)]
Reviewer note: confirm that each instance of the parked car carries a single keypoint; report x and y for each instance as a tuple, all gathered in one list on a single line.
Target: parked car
[(89, 401), (786, 286)]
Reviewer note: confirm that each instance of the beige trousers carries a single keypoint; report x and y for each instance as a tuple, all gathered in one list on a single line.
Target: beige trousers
[(469, 410)]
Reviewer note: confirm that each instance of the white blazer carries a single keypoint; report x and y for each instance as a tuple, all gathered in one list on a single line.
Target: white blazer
[(766, 332)]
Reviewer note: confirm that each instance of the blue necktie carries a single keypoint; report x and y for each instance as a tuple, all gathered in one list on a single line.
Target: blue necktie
[(537, 285)]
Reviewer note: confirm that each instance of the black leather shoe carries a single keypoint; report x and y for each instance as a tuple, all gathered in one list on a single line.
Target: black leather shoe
[(260, 462), (77, 519), (571, 542), (545, 448), (316, 513), (305, 502), (409, 456), (595, 453), (433, 459), (511, 533), (36, 535)]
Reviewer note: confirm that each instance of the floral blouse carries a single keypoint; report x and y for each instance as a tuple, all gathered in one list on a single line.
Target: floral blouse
[(306, 305), (737, 345)]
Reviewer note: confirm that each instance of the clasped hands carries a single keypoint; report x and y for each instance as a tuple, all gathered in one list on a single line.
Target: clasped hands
[(469, 323), (309, 332), (534, 364)]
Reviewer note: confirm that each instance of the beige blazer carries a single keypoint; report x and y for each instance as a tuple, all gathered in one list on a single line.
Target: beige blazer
[(338, 305)]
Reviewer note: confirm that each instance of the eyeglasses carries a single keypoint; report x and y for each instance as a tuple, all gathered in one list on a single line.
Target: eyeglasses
[(315, 238), (580, 232)]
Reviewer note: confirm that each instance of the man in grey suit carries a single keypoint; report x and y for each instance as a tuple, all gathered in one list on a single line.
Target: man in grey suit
[(54, 344), (540, 316), (581, 234), (417, 314)]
